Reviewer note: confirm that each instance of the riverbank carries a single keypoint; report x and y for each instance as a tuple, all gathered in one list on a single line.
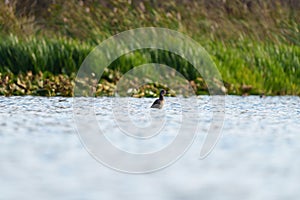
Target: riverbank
[(255, 45)]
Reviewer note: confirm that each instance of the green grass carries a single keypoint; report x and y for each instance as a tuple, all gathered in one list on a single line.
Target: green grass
[(268, 67), (33, 54)]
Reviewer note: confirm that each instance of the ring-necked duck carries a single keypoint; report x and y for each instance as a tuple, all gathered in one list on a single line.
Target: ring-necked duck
[(158, 103)]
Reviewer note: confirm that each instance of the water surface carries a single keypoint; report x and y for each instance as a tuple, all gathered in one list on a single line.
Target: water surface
[(257, 156)]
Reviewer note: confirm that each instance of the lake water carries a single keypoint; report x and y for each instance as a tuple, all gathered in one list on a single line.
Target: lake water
[(257, 156)]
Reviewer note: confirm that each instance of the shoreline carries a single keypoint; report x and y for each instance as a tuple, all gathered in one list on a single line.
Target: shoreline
[(50, 85)]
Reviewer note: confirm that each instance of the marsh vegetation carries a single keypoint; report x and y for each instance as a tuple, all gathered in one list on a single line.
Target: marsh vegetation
[(255, 44)]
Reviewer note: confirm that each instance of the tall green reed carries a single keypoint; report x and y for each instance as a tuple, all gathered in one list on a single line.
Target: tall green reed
[(41, 54), (268, 67)]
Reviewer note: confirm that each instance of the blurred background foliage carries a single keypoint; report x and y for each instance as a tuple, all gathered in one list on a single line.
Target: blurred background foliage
[(274, 20)]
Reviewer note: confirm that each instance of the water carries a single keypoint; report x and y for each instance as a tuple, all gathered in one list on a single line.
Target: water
[(257, 157)]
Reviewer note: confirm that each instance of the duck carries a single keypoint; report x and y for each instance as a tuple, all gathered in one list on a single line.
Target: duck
[(159, 103)]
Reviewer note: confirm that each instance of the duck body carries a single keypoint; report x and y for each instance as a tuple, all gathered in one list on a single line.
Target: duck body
[(159, 103)]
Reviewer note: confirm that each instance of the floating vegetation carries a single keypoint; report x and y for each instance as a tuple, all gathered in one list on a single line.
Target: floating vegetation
[(41, 84), (48, 84)]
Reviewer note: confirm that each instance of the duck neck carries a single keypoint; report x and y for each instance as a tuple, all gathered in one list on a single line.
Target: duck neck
[(161, 97)]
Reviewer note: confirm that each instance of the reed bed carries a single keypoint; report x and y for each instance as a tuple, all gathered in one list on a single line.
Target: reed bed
[(260, 67)]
